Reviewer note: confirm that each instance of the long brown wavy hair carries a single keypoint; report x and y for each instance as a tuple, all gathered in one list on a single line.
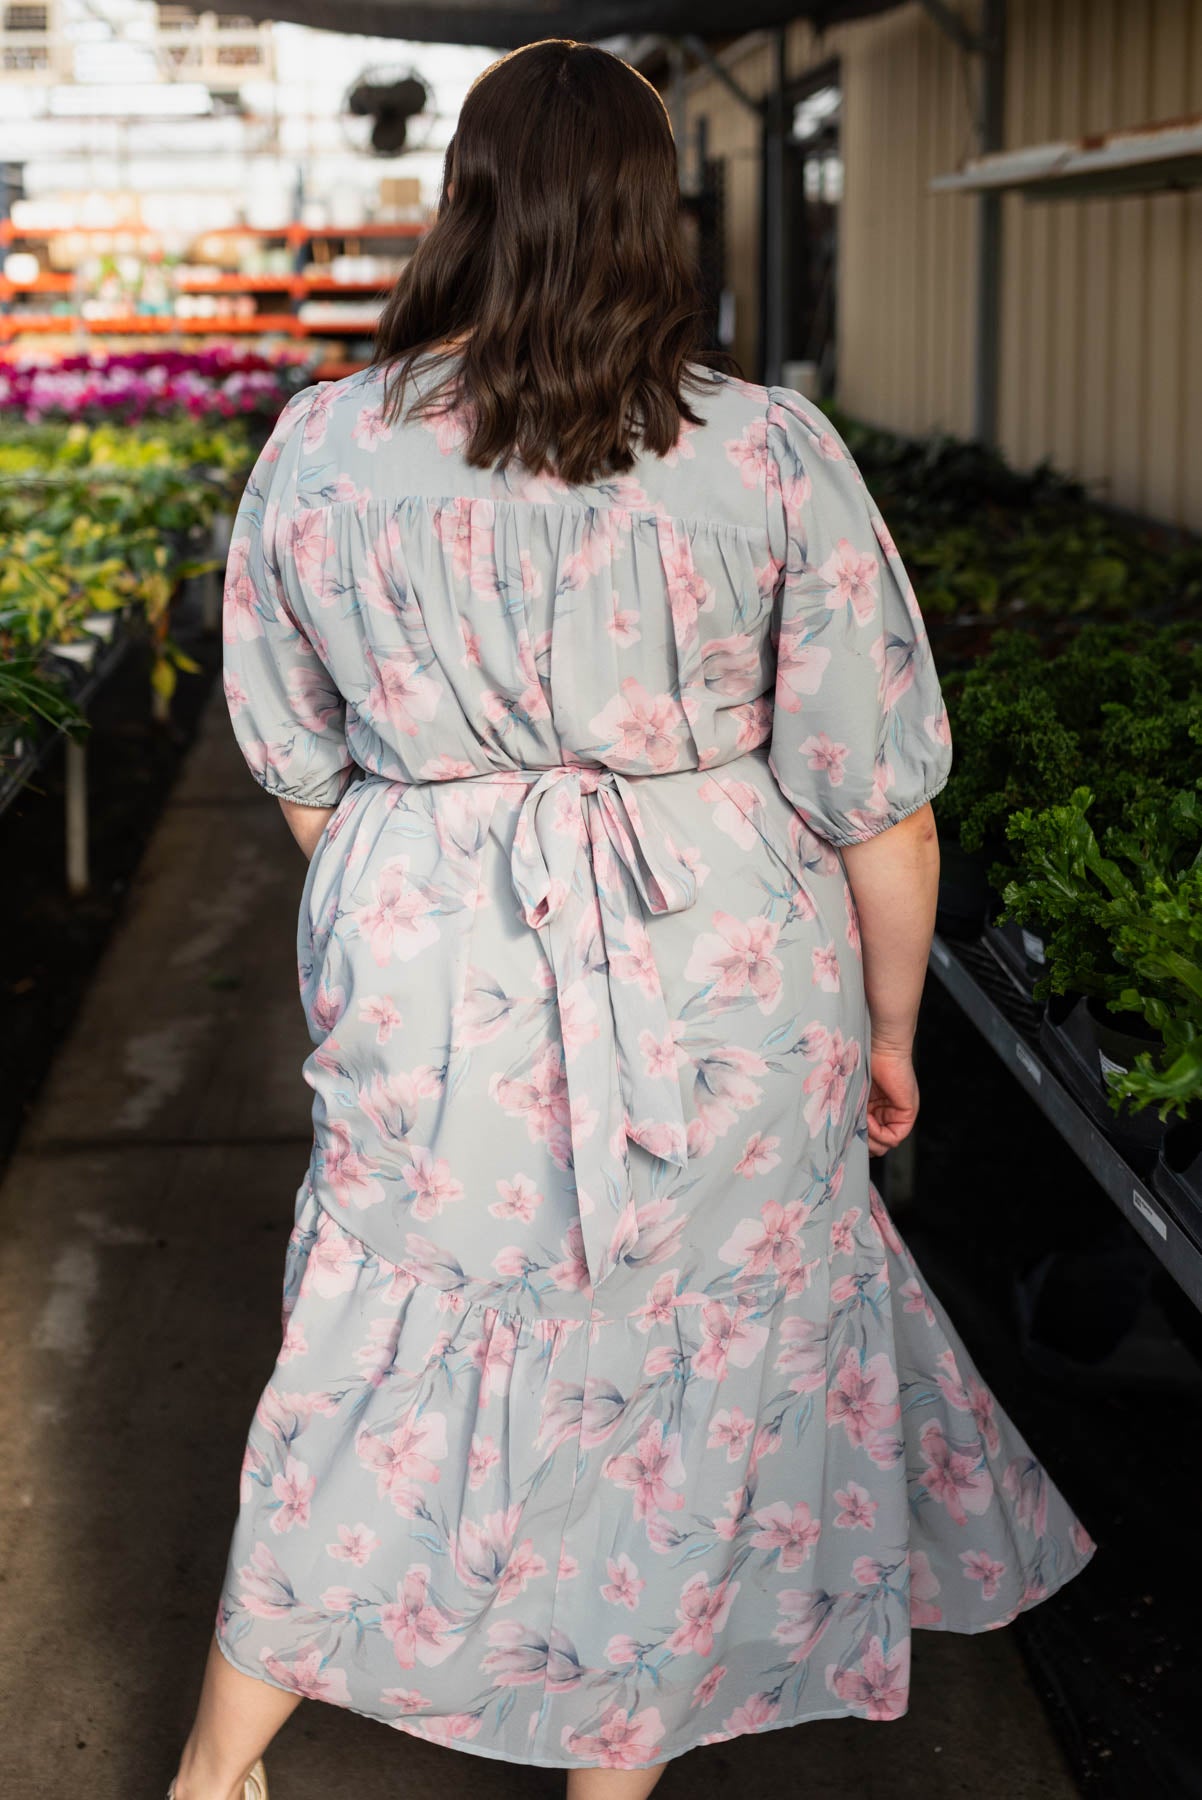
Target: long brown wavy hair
[(557, 263)]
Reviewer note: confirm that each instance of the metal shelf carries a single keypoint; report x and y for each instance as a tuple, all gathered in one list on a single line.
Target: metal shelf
[(1009, 1022)]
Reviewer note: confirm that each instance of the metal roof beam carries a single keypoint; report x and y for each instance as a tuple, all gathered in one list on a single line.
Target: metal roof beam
[(701, 50), (954, 26)]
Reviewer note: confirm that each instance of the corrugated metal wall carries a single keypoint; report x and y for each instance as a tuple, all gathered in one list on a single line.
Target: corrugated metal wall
[(1101, 304)]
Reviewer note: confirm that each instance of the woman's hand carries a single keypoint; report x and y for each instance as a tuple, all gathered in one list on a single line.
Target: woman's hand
[(894, 880), (892, 1099)]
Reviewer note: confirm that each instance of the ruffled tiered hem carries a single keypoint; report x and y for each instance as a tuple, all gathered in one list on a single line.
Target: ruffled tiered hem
[(598, 1540)]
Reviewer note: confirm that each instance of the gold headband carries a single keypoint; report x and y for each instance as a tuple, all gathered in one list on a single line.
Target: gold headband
[(576, 44)]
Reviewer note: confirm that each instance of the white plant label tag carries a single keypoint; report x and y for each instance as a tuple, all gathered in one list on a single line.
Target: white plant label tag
[(1109, 1067), (1149, 1212), (1033, 947)]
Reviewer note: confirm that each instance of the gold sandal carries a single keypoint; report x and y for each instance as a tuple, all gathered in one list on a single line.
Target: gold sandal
[(253, 1788)]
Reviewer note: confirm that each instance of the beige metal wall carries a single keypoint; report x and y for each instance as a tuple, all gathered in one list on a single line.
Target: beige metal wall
[(1101, 300)]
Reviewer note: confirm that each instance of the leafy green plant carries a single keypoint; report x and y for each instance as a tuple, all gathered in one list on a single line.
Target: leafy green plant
[(1121, 919), (1119, 708), (103, 521), (994, 545)]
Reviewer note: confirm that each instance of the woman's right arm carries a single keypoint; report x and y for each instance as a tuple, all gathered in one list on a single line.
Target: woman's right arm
[(893, 877)]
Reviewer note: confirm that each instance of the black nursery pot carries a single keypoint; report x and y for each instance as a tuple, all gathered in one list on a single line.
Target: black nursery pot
[(1177, 1176), (1020, 949), (965, 896), (1084, 1042)]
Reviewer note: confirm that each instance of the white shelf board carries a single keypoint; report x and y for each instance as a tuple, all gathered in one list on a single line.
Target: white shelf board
[(1142, 159)]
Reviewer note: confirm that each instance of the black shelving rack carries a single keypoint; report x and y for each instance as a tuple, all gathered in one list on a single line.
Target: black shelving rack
[(1009, 1020)]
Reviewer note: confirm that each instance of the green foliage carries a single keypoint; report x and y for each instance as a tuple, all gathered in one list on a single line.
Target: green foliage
[(987, 542), (1121, 918), (102, 522), (1119, 708)]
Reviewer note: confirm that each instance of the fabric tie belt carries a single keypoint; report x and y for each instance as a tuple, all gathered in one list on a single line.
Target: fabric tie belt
[(585, 863)]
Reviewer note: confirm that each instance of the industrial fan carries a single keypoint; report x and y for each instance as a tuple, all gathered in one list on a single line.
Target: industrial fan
[(392, 98)]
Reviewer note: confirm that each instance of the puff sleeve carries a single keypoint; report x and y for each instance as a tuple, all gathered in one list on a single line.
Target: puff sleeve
[(860, 734), (286, 710)]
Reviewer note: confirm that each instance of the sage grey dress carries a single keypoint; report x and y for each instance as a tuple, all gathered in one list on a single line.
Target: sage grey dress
[(611, 1414)]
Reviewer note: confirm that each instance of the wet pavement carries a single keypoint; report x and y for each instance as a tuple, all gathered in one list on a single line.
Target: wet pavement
[(145, 1215)]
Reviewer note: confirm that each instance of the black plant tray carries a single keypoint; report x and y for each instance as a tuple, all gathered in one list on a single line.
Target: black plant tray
[(1070, 1048)]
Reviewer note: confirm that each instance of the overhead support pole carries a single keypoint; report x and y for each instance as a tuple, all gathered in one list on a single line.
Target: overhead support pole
[(697, 46), (989, 227), (989, 44), (954, 25), (677, 111), (775, 300)]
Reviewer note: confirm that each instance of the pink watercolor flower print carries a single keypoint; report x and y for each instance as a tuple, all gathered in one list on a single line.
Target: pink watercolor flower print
[(641, 731), (521, 1656), (755, 1714), (924, 1585), (1027, 1485), (968, 1396), (406, 1459), (370, 429), (306, 1674), (242, 611), (804, 1617), (702, 1611), (264, 1589), (544, 1104), (623, 622), (955, 1478), (863, 1397), (792, 1531), (824, 961), (381, 1011), (837, 1060), (759, 1155), (735, 804), (738, 958), (483, 1457), (857, 1508), (728, 1335), (624, 1739), (879, 1685), (800, 668), (398, 920), (652, 1472), (432, 1182), (356, 1544), (708, 1686), (293, 1489), (402, 694), (826, 757), (980, 1566), (520, 1200), (625, 1584), (732, 666), (723, 1089), (802, 1354), (771, 1242), (350, 1177), (749, 453), (311, 548), (843, 1233), (417, 1630), (493, 1355), (731, 1430), (853, 578)]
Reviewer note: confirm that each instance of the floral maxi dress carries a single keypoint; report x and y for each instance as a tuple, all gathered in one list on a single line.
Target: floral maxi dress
[(612, 1415)]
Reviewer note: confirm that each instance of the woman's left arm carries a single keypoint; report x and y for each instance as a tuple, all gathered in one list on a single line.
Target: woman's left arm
[(306, 823)]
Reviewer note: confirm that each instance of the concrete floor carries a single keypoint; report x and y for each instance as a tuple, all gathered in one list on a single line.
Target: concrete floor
[(145, 1217)]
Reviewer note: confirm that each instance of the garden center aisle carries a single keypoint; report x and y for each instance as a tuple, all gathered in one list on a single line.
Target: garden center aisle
[(146, 1213)]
